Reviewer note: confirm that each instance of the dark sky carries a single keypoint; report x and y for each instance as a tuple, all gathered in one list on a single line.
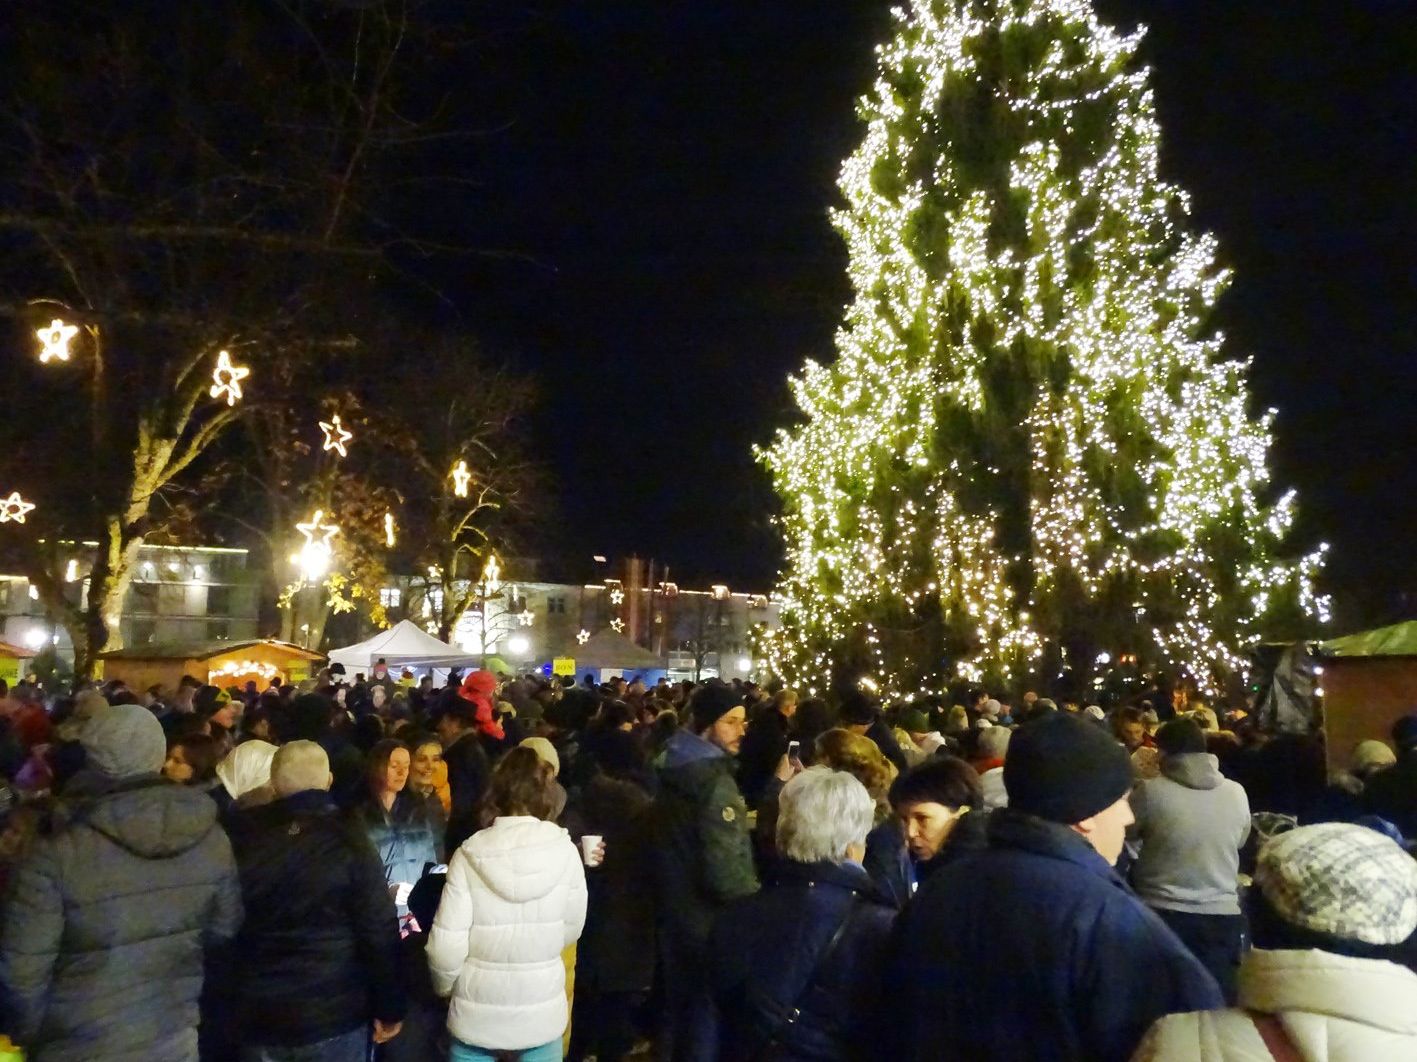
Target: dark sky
[(667, 167)]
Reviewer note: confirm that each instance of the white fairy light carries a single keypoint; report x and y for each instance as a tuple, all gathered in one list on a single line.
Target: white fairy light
[(1129, 427)]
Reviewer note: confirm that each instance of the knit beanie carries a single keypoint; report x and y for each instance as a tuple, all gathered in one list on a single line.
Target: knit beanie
[(1370, 755), (711, 703), (914, 721), (545, 750), (1180, 736), (1065, 769), (858, 709), (1404, 733), (1341, 879), (124, 742)]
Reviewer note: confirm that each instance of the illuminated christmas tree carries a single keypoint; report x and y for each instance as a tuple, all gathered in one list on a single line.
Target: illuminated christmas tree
[(1030, 451)]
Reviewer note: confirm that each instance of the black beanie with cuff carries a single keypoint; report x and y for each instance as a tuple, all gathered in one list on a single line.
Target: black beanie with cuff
[(1065, 769)]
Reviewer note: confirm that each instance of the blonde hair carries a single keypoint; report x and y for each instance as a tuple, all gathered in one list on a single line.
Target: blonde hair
[(860, 757)]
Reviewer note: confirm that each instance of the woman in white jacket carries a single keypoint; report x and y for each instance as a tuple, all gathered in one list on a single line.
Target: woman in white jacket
[(515, 898), (1335, 904)]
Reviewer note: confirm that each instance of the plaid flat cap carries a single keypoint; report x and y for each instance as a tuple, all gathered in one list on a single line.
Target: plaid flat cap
[(1344, 880)]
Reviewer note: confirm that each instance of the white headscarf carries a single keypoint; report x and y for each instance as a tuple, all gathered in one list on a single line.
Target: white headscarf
[(246, 767)]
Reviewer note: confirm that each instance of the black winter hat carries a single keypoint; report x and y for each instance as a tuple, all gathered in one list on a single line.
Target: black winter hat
[(1064, 769), (1180, 736), (711, 703), (858, 709)]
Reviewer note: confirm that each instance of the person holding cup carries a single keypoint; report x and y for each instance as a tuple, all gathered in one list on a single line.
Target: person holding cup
[(515, 898)]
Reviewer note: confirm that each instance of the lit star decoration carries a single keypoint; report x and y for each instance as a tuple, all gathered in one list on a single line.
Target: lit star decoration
[(326, 532), (461, 478), (389, 537), (617, 624), (583, 636), (526, 618), (226, 378), (1004, 221), (336, 435), (56, 339), (616, 596), (492, 574), (14, 508)]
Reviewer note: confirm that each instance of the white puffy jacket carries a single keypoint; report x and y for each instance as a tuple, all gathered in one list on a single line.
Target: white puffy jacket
[(1332, 1009), (514, 899)]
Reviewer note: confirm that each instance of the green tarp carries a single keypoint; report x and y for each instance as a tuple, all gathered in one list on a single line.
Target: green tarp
[(1400, 639)]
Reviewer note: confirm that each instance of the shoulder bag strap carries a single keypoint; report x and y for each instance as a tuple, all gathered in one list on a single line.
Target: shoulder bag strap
[(1276, 1040), (824, 958)]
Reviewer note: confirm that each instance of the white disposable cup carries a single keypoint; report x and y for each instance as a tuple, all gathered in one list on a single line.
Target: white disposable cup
[(589, 843)]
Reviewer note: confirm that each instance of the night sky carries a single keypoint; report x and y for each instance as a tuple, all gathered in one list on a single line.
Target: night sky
[(662, 170)]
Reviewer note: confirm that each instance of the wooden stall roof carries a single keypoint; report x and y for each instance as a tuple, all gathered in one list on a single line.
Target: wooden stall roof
[(208, 650), (16, 652)]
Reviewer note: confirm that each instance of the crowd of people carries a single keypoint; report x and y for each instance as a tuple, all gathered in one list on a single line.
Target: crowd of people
[(528, 868)]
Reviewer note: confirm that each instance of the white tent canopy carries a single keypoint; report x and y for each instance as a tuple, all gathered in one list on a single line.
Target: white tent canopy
[(405, 644)]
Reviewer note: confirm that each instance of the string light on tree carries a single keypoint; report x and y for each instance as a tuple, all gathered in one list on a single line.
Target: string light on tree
[(14, 508), (389, 537), (616, 596), (226, 378), (55, 340), (461, 478), (938, 526), (336, 435), (617, 624), (583, 636)]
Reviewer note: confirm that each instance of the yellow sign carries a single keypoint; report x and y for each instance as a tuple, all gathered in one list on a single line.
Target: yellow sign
[(299, 671), (9, 670), (563, 665)]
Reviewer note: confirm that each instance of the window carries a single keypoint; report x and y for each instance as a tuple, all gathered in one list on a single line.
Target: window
[(390, 596), (143, 597), (171, 599), (556, 606), (143, 632), (218, 601), (219, 629)]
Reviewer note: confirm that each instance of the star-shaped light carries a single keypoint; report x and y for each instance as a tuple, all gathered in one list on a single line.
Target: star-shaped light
[(461, 478), (335, 435), (389, 530), (583, 636), (226, 378), (56, 339), (525, 618), (616, 596), (492, 574), (617, 624), (314, 527), (14, 508)]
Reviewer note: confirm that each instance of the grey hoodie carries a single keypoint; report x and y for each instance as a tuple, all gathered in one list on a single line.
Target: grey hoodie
[(1191, 823)]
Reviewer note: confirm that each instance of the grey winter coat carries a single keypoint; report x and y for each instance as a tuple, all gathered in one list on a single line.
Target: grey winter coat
[(102, 936), (1191, 822)]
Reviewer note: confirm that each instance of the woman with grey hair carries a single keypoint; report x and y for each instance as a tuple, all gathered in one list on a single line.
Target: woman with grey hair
[(796, 967)]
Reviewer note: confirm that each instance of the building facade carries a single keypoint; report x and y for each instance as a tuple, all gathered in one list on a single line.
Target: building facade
[(179, 595)]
